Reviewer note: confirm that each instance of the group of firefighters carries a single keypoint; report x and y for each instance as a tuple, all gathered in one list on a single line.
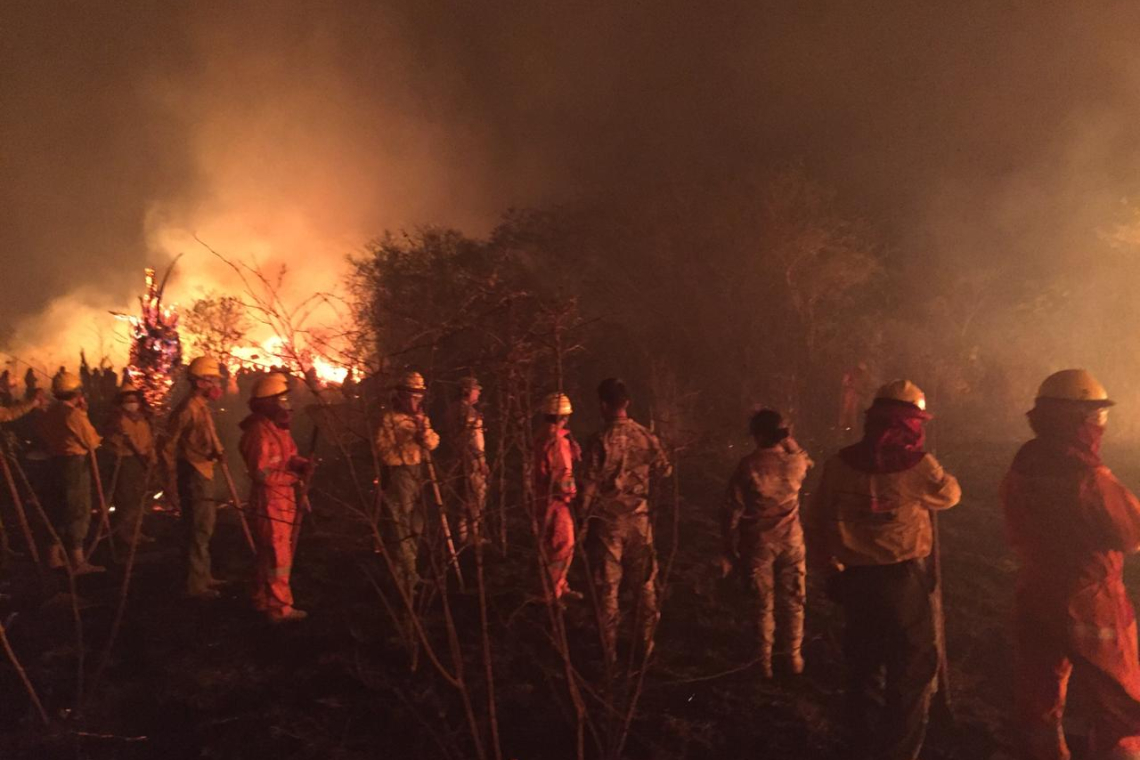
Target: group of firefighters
[(869, 528)]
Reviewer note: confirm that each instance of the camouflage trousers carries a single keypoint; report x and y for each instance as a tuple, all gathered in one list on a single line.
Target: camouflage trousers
[(621, 546), (775, 570), (473, 493)]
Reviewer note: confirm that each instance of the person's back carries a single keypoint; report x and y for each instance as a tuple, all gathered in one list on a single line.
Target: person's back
[(880, 518), (1070, 521), (618, 465), (620, 461), (872, 531), (764, 539), (767, 484)]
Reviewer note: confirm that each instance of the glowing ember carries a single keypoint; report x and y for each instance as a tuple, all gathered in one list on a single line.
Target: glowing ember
[(156, 349)]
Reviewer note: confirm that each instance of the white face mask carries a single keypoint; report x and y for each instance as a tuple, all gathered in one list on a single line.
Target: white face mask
[(131, 406)]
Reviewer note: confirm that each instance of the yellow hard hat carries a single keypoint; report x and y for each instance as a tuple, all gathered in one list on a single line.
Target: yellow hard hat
[(412, 382), (903, 390), (65, 382), (557, 404), (205, 366), (1074, 385), (273, 384)]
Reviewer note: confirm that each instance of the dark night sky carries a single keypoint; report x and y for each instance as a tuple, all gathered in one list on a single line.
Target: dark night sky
[(976, 129)]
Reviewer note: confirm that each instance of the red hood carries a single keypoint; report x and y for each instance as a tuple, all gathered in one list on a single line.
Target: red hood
[(893, 438)]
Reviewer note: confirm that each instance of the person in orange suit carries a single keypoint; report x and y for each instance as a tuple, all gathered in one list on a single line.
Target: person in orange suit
[(1070, 522), (555, 491), (275, 469)]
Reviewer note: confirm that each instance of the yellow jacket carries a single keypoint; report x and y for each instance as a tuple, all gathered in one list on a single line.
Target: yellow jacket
[(190, 435), (66, 431), (130, 436), (397, 441), (860, 518)]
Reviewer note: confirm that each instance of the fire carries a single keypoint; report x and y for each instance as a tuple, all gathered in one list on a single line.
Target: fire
[(155, 347), (275, 353)]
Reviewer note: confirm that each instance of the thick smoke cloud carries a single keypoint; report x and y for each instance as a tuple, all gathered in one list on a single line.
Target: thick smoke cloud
[(294, 132)]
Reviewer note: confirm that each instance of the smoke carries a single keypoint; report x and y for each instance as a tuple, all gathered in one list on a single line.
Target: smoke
[(977, 135)]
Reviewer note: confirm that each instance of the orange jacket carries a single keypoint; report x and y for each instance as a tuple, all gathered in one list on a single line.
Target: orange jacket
[(1069, 523), (555, 455), (861, 518), (269, 453)]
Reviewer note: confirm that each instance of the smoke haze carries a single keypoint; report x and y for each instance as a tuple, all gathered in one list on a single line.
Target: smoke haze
[(292, 133)]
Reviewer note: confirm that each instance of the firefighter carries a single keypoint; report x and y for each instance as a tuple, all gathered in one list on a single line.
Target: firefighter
[(618, 464), (873, 534), (1070, 522), (192, 448), (131, 438), (275, 470), (403, 442), (763, 536), (555, 454), (70, 440), (472, 456)]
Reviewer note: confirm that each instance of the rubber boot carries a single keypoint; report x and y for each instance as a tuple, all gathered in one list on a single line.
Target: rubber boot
[(291, 616), (80, 565)]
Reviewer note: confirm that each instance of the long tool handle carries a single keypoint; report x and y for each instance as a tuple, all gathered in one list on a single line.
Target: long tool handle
[(18, 503), (220, 452), (943, 700), (111, 491), (106, 521), (115, 475), (443, 518), (303, 504), (237, 503)]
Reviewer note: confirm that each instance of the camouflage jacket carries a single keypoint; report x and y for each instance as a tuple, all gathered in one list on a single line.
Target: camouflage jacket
[(764, 492), (618, 463)]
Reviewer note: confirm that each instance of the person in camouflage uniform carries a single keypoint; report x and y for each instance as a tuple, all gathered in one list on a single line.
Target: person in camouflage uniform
[(472, 460), (763, 536), (617, 466)]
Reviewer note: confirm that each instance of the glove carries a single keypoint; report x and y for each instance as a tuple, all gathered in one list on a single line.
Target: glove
[(303, 466)]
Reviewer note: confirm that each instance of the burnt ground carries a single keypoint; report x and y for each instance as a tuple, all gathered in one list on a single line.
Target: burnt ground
[(213, 680)]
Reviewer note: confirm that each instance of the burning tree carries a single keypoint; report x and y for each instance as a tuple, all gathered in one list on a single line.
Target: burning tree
[(156, 350)]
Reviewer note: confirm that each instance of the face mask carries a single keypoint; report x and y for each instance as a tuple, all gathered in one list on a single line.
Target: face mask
[(214, 392), (131, 406), (283, 418)]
